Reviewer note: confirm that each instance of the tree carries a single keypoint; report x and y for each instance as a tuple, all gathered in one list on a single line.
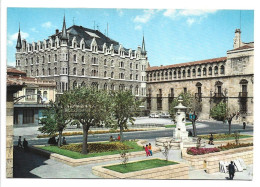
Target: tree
[(55, 117), (90, 107), (125, 106), (219, 111), (231, 112), (222, 112), (192, 104)]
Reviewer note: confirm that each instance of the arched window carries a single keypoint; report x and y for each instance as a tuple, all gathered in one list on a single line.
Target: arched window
[(210, 70), (105, 86), (112, 87), (55, 57), (183, 73), (199, 72), (179, 74), (37, 72), (105, 74), (105, 62), (136, 66), (94, 85), (131, 76), (45, 95), (122, 87), (131, 65), (49, 58), (136, 77), (136, 90), (43, 73), (188, 73), (193, 72), (43, 59), (112, 62), (83, 72), (37, 60), (222, 70), (216, 70), (166, 75), (170, 75), (49, 71), (174, 74), (204, 71), (74, 84), (112, 75), (82, 59), (74, 71), (131, 89), (75, 58), (55, 71)]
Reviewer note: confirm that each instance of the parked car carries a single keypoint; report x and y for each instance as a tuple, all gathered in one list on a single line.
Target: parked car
[(165, 115), (153, 115)]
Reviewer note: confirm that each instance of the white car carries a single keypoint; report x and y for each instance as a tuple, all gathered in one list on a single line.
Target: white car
[(154, 115), (164, 115)]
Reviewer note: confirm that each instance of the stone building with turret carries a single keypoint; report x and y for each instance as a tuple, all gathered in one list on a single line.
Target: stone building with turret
[(79, 56), (229, 79)]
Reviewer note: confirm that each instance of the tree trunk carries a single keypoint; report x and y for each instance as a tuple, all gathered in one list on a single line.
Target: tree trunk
[(85, 139), (60, 136), (121, 133)]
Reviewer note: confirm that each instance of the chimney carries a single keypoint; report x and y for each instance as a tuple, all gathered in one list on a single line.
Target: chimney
[(57, 31), (237, 39)]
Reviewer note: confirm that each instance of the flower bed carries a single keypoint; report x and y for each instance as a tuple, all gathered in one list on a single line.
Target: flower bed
[(202, 151), (97, 147), (217, 137)]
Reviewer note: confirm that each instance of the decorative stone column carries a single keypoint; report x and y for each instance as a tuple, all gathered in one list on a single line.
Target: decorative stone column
[(180, 131)]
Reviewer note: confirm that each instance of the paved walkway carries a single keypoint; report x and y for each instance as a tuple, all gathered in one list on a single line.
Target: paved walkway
[(30, 165)]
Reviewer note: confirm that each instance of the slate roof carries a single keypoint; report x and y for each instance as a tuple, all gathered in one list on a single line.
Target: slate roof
[(200, 62), (81, 32)]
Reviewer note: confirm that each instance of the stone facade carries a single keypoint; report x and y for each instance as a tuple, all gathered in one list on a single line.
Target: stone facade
[(32, 99), (229, 79), (79, 56)]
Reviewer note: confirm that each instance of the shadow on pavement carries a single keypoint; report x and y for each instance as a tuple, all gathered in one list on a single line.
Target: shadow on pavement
[(25, 162)]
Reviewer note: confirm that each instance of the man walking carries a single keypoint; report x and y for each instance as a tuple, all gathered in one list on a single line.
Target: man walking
[(231, 170)]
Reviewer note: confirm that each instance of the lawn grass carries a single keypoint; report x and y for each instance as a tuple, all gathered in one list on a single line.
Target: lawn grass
[(140, 165), (77, 155), (219, 137), (171, 126)]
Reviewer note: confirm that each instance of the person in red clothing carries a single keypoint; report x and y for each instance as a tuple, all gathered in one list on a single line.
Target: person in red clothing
[(147, 151), (118, 137)]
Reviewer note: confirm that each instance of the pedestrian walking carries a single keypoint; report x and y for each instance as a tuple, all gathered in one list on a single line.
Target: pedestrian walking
[(25, 144), (231, 170), (244, 125), (20, 142)]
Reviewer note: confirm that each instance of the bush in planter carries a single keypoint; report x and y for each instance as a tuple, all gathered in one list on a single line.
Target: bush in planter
[(234, 145)]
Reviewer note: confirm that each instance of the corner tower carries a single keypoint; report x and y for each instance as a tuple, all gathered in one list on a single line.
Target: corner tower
[(64, 60)]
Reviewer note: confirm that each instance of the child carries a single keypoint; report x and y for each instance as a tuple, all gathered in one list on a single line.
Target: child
[(150, 149), (147, 151)]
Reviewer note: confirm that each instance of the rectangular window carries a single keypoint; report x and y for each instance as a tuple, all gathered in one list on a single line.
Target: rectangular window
[(185, 90), (29, 94), (28, 116)]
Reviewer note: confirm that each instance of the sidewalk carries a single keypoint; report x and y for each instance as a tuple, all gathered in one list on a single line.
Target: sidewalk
[(38, 166)]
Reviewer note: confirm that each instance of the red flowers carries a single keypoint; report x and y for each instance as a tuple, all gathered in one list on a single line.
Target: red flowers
[(201, 151)]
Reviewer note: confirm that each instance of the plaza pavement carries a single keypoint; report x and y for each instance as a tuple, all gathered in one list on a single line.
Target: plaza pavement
[(30, 165)]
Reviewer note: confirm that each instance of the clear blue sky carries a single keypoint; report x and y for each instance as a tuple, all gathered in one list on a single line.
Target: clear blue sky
[(171, 36)]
